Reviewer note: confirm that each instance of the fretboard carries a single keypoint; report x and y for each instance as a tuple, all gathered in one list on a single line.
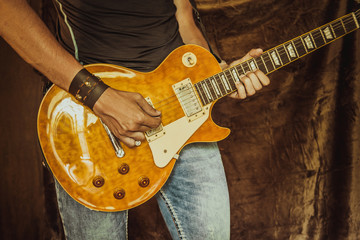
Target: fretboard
[(223, 83)]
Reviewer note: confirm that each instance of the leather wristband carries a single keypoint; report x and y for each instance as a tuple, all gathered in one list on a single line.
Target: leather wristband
[(87, 88)]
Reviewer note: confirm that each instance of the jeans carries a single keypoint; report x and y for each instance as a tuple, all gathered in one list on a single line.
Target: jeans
[(194, 202)]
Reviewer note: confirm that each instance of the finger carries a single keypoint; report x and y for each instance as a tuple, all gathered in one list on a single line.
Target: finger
[(262, 77), (223, 65), (128, 141), (119, 131), (240, 93), (255, 81), (248, 85), (152, 117), (137, 136), (253, 53), (147, 107)]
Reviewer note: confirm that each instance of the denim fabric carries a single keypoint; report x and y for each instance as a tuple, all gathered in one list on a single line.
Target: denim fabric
[(194, 202)]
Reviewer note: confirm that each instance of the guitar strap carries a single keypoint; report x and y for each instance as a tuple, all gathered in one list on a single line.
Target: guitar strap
[(202, 28)]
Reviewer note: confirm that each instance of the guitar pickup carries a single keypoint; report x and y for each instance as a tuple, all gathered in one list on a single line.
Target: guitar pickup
[(154, 133), (188, 99)]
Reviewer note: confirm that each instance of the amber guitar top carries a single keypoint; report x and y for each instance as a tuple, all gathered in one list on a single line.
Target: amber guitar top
[(89, 162)]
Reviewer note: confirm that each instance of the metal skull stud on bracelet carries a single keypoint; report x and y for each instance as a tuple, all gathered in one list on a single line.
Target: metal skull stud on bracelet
[(87, 88)]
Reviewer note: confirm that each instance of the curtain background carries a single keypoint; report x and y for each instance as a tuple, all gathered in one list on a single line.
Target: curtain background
[(292, 160)]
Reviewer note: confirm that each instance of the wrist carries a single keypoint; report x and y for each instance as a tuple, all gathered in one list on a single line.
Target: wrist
[(87, 88)]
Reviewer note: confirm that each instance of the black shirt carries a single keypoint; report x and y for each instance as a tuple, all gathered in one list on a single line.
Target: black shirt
[(137, 34)]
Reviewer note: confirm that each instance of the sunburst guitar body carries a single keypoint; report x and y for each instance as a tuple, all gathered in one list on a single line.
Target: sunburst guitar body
[(103, 174)]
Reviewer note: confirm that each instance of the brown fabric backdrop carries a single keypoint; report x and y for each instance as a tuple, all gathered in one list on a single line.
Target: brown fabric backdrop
[(292, 160)]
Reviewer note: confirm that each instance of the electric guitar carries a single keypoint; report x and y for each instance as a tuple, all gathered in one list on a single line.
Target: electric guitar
[(92, 166)]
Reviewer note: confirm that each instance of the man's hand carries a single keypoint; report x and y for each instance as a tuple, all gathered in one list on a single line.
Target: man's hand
[(128, 115), (251, 81)]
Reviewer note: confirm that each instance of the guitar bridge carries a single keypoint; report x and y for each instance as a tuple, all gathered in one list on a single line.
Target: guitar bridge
[(154, 133)]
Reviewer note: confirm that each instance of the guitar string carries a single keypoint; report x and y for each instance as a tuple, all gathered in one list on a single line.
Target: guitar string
[(335, 25)]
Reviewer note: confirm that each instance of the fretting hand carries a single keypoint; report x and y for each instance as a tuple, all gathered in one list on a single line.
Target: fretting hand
[(250, 82)]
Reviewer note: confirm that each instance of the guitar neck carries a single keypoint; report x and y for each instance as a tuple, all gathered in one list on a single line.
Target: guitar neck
[(223, 83)]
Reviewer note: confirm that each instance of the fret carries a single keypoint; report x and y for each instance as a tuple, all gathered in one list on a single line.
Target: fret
[(322, 35), (226, 82), (328, 33), (303, 45), (332, 30), (279, 56), (230, 79), (357, 15), (206, 94), (210, 88), (215, 87), (356, 20), (253, 65), (275, 58), (207, 91), (349, 23), (220, 84), (294, 47), (300, 44), (312, 38), (261, 65), (242, 69), (342, 23), (338, 27), (318, 38), (246, 67), (308, 43), (201, 94), (268, 62), (235, 74), (284, 57)]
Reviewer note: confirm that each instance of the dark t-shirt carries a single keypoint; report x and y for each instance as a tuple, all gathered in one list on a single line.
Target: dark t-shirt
[(137, 34)]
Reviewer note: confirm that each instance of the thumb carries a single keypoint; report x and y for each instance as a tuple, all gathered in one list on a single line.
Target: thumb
[(146, 107), (253, 53)]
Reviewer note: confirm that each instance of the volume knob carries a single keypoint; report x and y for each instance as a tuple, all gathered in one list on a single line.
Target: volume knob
[(124, 169), (144, 181), (98, 181), (119, 194)]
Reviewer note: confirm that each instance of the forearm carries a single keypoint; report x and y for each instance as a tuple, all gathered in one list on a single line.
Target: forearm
[(30, 38), (188, 29)]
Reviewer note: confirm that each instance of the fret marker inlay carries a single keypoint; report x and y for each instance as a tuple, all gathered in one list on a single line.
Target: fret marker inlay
[(291, 51), (235, 75), (215, 87), (252, 65), (225, 83), (308, 42), (206, 91), (327, 33), (275, 58)]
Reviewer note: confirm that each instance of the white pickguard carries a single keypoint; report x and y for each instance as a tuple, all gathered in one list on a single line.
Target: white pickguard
[(167, 146)]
